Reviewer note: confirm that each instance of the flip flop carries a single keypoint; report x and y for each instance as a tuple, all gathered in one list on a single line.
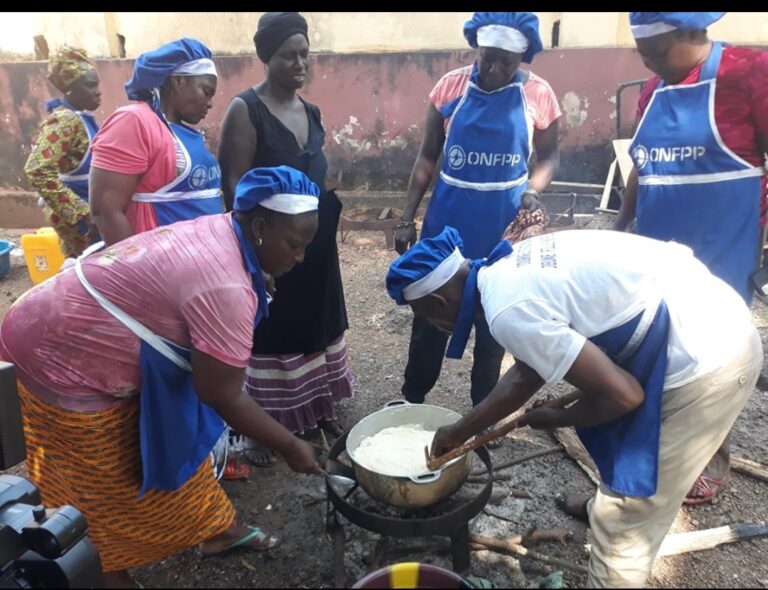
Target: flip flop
[(707, 487), (235, 470), (242, 543), (582, 514)]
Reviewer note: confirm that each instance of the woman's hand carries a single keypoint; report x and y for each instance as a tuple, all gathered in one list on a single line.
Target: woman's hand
[(300, 457)]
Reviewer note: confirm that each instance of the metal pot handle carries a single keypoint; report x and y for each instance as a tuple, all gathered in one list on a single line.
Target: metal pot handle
[(397, 402), (427, 477)]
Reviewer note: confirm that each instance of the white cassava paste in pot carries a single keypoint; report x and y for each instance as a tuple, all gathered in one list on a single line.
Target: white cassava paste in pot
[(397, 451)]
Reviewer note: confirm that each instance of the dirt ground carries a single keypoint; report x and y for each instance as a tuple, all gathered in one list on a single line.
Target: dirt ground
[(378, 341)]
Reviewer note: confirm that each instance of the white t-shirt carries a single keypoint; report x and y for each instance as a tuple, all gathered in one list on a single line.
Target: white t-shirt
[(556, 290)]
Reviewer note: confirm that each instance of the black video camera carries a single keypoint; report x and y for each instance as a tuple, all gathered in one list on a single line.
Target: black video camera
[(39, 548)]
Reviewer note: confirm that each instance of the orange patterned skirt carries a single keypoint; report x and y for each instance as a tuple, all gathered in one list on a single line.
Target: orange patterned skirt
[(92, 461)]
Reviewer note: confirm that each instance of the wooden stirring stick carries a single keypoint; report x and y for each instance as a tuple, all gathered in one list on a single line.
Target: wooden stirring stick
[(478, 441)]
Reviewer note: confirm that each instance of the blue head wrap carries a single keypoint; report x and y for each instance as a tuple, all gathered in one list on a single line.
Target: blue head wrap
[(428, 265), (281, 188), (422, 260), (153, 68), (650, 24), (525, 23)]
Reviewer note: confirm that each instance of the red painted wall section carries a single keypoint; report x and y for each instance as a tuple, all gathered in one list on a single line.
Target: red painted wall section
[(373, 107)]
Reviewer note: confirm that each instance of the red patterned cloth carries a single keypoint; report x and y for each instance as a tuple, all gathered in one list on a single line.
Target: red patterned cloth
[(526, 225), (60, 146)]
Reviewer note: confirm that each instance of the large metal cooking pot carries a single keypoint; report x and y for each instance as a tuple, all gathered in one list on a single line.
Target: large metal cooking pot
[(408, 492)]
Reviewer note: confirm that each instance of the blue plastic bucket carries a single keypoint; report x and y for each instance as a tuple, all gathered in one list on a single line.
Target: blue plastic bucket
[(5, 257)]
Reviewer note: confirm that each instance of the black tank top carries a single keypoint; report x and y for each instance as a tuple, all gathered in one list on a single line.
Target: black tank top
[(308, 311)]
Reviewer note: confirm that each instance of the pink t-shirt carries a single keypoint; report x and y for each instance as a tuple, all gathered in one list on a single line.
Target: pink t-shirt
[(185, 282), (542, 107), (134, 140)]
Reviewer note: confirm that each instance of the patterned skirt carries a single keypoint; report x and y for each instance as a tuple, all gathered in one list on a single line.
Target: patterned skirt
[(298, 390), (92, 461)]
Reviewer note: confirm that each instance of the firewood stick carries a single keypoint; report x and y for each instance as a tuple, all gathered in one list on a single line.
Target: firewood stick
[(505, 545), (577, 452), (326, 446), (496, 560), (478, 441), (709, 538), (487, 511), (521, 459), (535, 535), (748, 467), (518, 493)]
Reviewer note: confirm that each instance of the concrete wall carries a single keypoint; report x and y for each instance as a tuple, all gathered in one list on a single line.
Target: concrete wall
[(337, 32), (373, 107)]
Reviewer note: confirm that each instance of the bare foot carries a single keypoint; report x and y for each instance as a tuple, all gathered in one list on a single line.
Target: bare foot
[(574, 505), (331, 427), (260, 456), (238, 536)]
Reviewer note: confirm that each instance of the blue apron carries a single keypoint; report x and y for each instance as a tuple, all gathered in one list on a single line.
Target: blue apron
[(177, 431), (197, 190), (77, 179), (692, 188), (485, 166), (626, 450)]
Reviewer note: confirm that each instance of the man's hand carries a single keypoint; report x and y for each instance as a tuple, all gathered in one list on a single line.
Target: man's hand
[(300, 457), (446, 438), (405, 236)]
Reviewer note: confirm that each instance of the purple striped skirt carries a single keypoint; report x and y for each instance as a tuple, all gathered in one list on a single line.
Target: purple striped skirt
[(298, 390)]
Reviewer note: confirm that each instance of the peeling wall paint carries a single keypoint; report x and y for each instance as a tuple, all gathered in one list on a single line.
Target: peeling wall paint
[(574, 109), (373, 107)]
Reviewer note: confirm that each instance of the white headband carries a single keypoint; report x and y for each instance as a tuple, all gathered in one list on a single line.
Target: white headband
[(502, 37), (292, 204), (435, 279), (197, 67), (651, 30)]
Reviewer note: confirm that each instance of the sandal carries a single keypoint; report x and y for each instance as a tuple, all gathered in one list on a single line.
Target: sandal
[(581, 514), (704, 489), (266, 542), (235, 470)]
